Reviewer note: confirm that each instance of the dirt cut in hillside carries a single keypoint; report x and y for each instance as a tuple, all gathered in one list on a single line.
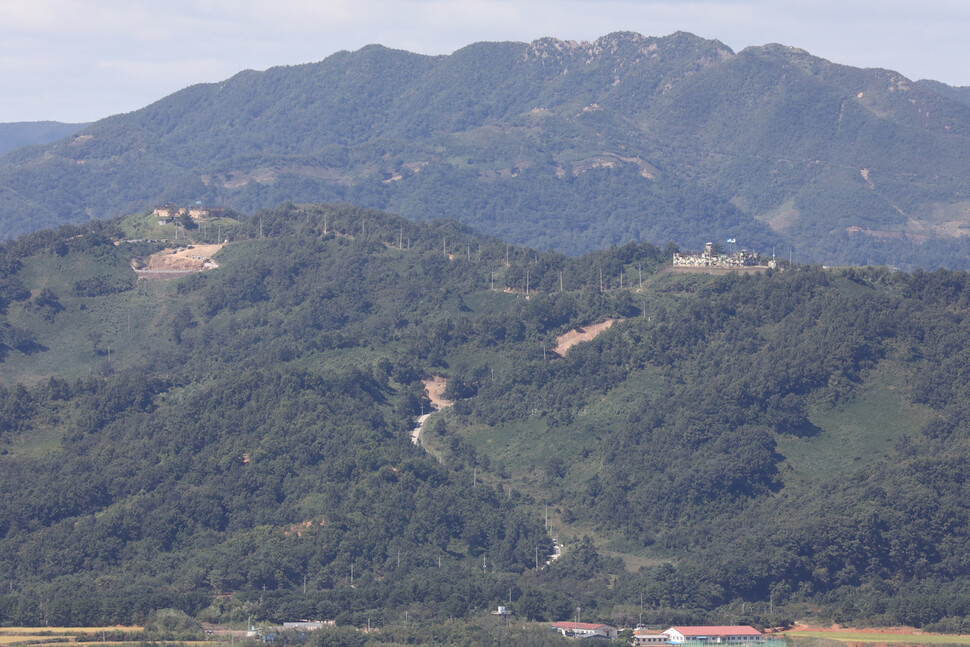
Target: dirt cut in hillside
[(192, 257), (436, 386), (566, 341)]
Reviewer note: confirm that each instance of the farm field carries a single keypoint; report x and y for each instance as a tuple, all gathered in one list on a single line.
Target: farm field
[(898, 637), (57, 635), (64, 635)]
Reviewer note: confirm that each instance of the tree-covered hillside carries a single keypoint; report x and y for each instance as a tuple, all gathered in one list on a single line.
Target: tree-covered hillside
[(238, 442), (561, 145)]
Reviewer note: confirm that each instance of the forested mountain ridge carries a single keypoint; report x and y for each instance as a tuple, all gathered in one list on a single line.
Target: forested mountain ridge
[(797, 436), (25, 133), (564, 145)]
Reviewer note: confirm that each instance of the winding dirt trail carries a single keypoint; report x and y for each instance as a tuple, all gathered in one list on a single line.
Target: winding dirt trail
[(435, 386)]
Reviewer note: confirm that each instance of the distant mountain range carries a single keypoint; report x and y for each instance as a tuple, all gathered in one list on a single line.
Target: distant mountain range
[(25, 133), (572, 146)]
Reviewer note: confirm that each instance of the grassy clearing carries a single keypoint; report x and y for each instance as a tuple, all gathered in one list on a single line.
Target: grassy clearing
[(145, 225), (489, 301), (131, 324), (525, 447), (856, 433), (880, 637), (61, 273)]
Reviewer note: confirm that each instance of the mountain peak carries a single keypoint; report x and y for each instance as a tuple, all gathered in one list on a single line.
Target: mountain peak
[(627, 44)]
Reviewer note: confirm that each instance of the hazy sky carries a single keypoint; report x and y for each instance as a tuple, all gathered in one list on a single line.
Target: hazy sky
[(81, 60)]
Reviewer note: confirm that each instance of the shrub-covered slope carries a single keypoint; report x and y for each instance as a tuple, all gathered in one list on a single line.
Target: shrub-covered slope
[(795, 437)]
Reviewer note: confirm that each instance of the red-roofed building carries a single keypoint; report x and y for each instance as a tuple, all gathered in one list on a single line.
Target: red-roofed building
[(585, 629), (719, 635)]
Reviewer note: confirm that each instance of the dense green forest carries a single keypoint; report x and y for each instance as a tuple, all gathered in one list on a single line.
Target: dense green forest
[(237, 443), (552, 144)]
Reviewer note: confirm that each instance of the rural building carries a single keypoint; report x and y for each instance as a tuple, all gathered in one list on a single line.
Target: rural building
[(711, 258), (719, 635), (649, 637), (585, 630), (172, 210), (309, 625)]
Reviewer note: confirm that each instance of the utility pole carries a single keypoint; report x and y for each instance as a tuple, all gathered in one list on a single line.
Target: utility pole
[(560, 281), (537, 558)]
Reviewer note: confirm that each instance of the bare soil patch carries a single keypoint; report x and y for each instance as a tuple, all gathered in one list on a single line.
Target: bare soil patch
[(436, 386), (190, 257), (173, 263), (837, 628), (568, 340)]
